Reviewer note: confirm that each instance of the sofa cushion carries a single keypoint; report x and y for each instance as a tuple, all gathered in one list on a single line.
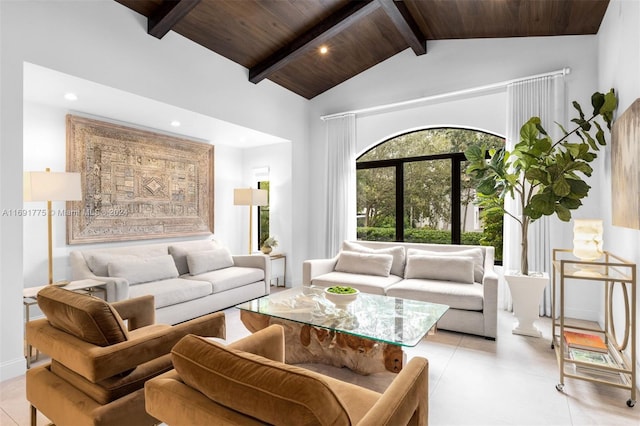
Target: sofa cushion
[(209, 260), (228, 278), (172, 291), (364, 263), (368, 284), (456, 296), (108, 390), (87, 318), (267, 390), (143, 269), (179, 251), (474, 253), (398, 253), (446, 268)]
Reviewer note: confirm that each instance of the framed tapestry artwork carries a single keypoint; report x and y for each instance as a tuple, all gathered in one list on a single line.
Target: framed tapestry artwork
[(137, 184), (625, 169)]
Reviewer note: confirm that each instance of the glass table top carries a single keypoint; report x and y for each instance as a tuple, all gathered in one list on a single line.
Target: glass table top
[(387, 319)]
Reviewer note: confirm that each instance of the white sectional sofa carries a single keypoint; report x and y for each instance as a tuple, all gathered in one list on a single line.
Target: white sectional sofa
[(462, 277), (187, 279)]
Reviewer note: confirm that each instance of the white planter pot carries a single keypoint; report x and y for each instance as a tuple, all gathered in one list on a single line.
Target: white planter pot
[(526, 292)]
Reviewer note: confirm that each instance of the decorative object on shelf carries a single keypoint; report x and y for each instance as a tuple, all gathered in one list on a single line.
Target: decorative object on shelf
[(266, 249), (341, 296), (51, 186), (137, 184), (250, 197), (589, 342), (587, 242), (625, 171), (540, 173), (268, 245)]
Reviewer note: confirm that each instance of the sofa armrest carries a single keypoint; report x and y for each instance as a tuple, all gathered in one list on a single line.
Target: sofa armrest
[(316, 267), (259, 261), (490, 295), (117, 288), (139, 311), (406, 400), (97, 363), (268, 342), (490, 302)]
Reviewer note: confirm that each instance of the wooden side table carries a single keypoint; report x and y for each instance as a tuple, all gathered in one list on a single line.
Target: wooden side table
[(30, 298), (277, 256)]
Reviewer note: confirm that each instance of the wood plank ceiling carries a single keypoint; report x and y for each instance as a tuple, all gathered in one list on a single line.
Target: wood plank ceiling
[(281, 39)]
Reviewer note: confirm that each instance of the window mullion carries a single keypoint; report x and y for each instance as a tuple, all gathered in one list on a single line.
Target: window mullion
[(400, 202)]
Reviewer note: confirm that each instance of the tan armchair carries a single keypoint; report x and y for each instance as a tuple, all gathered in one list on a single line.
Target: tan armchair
[(99, 364), (247, 383)]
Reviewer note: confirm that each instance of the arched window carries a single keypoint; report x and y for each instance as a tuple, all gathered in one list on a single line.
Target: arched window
[(413, 188)]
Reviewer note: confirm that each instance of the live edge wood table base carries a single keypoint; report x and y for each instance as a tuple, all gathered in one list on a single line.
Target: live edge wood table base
[(308, 344), (367, 336)]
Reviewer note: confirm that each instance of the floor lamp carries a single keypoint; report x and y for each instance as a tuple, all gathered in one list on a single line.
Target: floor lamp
[(250, 197), (51, 186)]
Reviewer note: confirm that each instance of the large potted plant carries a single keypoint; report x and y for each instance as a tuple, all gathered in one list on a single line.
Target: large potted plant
[(545, 177)]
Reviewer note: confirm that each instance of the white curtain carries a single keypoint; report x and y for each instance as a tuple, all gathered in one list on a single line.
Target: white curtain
[(341, 182), (543, 97)]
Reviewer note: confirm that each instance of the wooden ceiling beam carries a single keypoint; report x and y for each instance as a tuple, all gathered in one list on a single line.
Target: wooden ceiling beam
[(406, 25), (313, 38), (167, 15)]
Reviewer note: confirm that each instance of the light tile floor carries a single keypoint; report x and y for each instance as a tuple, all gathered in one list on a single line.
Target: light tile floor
[(472, 381)]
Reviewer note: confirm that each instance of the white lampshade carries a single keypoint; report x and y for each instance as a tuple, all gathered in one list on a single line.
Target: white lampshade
[(52, 186), (250, 197), (587, 239)]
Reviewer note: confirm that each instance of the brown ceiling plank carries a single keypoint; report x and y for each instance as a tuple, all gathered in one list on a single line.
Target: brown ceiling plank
[(167, 15), (406, 25), (314, 37)]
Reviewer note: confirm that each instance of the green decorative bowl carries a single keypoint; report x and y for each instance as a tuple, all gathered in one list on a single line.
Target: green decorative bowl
[(342, 298)]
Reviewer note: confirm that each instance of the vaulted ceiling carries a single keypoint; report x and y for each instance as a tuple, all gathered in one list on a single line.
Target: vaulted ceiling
[(281, 40)]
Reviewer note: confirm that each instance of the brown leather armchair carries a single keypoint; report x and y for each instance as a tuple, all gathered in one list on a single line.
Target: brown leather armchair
[(99, 363), (247, 383)]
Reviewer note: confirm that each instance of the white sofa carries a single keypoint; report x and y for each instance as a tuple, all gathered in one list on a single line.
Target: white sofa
[(462, 277), (187, 279)]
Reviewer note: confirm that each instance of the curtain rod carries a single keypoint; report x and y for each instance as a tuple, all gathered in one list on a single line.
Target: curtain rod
[(479, 89)]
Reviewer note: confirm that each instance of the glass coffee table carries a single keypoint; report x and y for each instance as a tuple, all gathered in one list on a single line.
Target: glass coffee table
[(367, 336)]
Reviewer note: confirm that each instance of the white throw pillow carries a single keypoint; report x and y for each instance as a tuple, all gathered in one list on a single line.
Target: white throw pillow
[(179, 251), (473, 253), (442, 268), (364, 263), (99, 262), (144, 269), (397, 267), (209, 260)]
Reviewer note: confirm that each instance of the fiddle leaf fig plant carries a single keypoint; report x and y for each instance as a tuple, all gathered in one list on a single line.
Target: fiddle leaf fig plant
[(544, 176)]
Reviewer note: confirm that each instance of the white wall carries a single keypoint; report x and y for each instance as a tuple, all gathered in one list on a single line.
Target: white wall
[(104, 42), (619, 65)]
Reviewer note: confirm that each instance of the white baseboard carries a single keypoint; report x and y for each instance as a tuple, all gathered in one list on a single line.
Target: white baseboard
[(13, 368)]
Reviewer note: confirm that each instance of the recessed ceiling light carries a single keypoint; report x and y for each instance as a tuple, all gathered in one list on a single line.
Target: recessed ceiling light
[(71, 96), (175, 123), (324, 50)]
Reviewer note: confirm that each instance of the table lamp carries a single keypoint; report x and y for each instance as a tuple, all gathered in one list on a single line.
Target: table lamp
[(250, 197), (51, 186), (587, 242)]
